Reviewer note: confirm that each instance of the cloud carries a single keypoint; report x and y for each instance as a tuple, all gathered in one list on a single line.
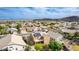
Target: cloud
[(37, 12)]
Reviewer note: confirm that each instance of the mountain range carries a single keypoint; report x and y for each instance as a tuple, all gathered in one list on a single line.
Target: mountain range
[(69, 19)]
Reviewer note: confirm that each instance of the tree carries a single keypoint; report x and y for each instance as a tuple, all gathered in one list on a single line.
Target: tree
[(72, 28), (27, 48), (18, 27), (55, 46), (69, 36), (39, 46), (2, 30), (76, 34)]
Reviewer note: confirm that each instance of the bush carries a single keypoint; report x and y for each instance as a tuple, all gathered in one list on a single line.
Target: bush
[(69, 36), (18, 27), (39, 46), (45, 48), (55, 46), (2, 30), (27, 48)]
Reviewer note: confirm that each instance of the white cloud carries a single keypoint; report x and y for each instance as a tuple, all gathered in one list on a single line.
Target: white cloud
[(39, 12)]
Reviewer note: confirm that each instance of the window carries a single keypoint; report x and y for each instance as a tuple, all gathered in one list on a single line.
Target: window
[(16, 49), (11, 48)]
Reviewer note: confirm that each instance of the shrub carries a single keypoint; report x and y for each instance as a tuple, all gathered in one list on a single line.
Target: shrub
[(45, 48), (27, 48), (39, 46), (55, 46)]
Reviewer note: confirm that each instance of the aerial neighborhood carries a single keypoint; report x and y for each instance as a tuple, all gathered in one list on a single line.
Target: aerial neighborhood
[(39, 35)]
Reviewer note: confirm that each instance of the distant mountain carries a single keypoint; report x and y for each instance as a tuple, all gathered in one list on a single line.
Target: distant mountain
[(45, 19), (69, 19)]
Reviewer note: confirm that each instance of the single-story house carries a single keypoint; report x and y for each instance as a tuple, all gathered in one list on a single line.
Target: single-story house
[(12, 42)]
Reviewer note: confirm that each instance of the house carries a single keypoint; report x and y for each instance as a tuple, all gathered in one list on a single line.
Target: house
[(69, 24), (29, 24), (36, 29), (41, 37), (29, 29), (12, 30), (57, 36), (13, 24), (23, 30), (46, 40), (37, 38), (44, 28), (2, 25), (12, 43), (69, 30)]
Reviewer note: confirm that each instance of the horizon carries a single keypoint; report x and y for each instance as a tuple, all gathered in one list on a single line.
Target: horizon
[(30, 13)]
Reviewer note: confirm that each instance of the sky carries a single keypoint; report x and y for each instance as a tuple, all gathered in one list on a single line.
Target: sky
[(37, 12)]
